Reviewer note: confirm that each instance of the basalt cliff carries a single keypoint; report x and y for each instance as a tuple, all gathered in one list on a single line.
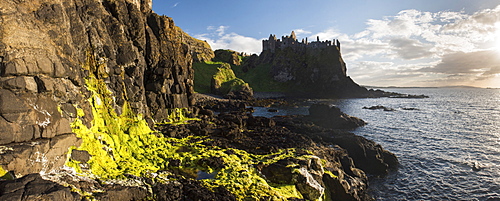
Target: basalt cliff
[(97, 102)]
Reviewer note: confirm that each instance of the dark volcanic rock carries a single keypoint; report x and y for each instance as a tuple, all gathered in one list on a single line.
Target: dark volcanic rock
[(227, 56), (245, 93), (122, 193), (33, 187), (331, 117), (79, 155), (184, 189), (366, 154), (379, 107)]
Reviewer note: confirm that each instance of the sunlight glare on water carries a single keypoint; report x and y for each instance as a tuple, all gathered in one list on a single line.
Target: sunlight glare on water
[(438, 144)]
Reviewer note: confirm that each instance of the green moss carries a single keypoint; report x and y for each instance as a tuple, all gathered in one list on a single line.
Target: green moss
[(124, 144), (178, 116), (287, 190)]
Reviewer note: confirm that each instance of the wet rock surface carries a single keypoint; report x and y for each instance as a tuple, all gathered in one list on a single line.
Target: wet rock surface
[(331, 117), (380, 107)]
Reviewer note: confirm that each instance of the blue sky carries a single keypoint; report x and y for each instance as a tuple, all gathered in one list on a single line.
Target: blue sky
[(384, 42)]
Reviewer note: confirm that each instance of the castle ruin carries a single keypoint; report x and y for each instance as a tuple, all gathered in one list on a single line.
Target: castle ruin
[(272, 44)]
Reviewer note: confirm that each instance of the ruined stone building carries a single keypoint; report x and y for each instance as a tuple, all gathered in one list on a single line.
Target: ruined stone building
[(272, 44)]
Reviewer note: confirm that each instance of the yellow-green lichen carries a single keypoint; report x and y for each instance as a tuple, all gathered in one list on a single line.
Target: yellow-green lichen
[(331, 174), (287, 190), (3, 172), (124, 144), (177, 116)]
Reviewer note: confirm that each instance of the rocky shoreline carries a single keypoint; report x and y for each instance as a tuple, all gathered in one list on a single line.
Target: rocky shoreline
[(337, 162)]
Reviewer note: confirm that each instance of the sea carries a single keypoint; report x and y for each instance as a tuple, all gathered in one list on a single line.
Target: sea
[(448, 145)]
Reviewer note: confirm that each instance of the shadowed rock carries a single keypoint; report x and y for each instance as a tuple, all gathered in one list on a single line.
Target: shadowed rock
[(331, 117)]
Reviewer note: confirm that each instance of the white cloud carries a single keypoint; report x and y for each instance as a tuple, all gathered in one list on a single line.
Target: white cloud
[(410, 49), (450, 47), (300, 32), (219, 39), (328, 34)]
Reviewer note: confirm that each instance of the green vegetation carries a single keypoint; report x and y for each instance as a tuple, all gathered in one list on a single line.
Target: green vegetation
[(178, 116), (4, 174), (226, 81), (124, 144), (259, 78), (203, 73), (217, 74)]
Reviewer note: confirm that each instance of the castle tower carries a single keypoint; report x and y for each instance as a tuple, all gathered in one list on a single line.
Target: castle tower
[(293, 35), (270, 44)]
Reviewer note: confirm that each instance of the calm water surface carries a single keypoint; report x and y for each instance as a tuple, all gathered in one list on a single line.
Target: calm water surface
[(437, 144)]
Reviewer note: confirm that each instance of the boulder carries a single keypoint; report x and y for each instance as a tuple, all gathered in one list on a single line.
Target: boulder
[(379, 107), (38, 156), (308, 186), (278, 172), (122, 193), (366, 154), (224, 82), (331, 117), (305, 174), (227, 56), (184, 189), (33, 187)]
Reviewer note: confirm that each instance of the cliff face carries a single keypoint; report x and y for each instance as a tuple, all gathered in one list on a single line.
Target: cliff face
[(45, 45)]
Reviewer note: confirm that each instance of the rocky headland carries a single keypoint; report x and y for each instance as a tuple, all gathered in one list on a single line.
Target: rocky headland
[(97, 101)]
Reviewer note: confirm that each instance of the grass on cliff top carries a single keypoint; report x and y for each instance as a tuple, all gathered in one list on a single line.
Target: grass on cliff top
[(260, 79), (124, 144), (222, 74), (203, 73), (226, 81)]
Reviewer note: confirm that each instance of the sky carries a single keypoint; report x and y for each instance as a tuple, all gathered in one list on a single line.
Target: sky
[(404, 43)]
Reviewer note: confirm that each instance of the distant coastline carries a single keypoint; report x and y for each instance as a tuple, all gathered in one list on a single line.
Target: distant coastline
[(466, 87)]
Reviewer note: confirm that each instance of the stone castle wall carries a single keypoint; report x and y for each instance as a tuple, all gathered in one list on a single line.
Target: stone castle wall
[(272, 43), (311, 69)]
